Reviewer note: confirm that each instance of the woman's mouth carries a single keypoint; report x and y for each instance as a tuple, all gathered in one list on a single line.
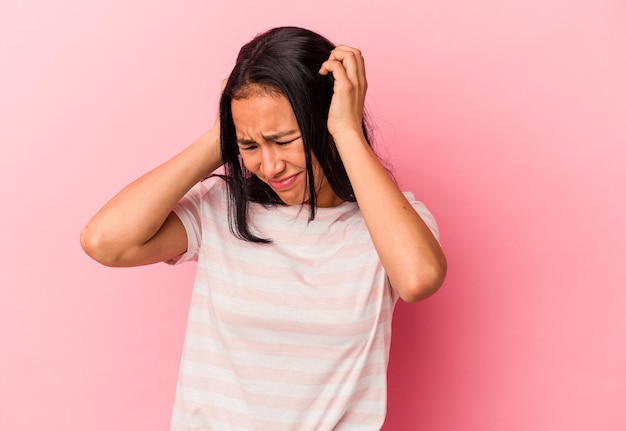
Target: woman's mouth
[(284, 183)]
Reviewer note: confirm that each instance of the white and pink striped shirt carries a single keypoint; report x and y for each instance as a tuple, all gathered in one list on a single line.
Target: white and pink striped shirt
[(292, 335)]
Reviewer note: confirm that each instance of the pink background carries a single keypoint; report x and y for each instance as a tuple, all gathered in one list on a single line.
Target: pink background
[(507, 118)]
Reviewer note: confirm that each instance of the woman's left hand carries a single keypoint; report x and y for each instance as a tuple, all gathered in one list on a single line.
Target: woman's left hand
[(408, 250), (345, 115)]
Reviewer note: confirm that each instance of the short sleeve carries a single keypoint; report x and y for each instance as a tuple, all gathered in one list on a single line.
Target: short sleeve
[(189, 211), (430, 221), (424, 213)]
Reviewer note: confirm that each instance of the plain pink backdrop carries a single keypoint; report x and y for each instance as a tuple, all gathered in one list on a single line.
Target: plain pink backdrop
[(507, 118)]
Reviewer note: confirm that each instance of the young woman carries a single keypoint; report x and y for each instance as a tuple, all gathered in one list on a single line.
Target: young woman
[(304, 244)]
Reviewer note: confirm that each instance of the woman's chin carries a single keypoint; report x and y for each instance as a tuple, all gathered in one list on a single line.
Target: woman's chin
[(290, 199)]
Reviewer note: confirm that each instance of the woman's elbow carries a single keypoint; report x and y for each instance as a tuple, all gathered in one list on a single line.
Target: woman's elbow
[(95, 246), (423, 283)]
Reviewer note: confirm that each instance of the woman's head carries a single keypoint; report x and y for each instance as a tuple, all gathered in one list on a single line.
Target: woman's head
[(282, 62)]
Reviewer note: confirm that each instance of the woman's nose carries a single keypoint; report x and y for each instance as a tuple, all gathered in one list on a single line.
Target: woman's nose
[(272, 163)]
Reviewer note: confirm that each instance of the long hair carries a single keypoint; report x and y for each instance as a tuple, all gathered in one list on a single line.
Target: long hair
[(284, 60)]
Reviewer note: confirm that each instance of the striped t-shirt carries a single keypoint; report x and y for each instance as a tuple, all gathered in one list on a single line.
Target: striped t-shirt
[(291, 335)]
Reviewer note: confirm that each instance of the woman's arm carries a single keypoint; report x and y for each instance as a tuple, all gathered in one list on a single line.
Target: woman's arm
[(137, 226), (410, 254)]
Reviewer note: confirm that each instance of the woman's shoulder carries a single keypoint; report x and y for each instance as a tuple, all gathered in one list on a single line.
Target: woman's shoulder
[(213, 186), (210, 191)]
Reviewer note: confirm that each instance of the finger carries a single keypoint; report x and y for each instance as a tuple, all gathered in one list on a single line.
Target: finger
[(340, 76), (353, 61), (347, 80), (349, 61), (216, 122), (327, 66), (344, 53)]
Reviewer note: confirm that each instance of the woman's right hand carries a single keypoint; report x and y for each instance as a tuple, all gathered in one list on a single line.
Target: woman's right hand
[(211, 138)]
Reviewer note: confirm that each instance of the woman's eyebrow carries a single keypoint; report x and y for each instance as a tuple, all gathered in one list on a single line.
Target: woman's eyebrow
[(245, 141), (278, 135)]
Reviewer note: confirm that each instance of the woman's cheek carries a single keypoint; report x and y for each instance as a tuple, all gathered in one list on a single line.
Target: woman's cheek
[(248, 162)]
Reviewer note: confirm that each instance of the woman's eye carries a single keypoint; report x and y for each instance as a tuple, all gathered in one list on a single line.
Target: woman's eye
[(249, 148), (287, 142)]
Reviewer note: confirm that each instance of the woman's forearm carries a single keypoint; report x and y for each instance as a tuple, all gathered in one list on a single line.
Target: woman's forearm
[(409, 252), (117, 233)]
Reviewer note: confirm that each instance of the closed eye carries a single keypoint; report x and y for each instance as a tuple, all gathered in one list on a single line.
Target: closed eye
[(247, 147), (287, 142)]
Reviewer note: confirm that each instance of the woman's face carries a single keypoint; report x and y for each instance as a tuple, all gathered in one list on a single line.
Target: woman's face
[(271, 147)]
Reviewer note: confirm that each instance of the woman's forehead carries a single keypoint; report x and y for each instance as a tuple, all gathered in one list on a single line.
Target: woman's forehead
[(256, 89), (263, 114)]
